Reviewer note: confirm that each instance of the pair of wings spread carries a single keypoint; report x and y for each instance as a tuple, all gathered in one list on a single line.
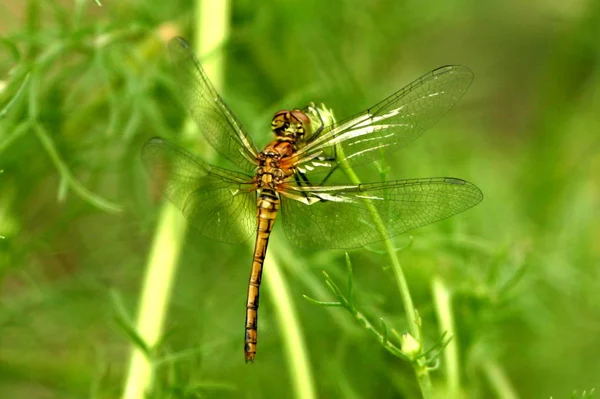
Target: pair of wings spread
[(221, 203)]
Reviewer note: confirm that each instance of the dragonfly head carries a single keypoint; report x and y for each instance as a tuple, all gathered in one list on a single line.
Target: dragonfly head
[(292, 125)]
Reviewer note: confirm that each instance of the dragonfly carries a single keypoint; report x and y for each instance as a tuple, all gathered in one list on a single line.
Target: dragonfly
[(232, 205)]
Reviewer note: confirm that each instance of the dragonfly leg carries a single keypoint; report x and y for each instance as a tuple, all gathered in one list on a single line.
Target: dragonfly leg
[(329, 174), (307, 182), (330, 159), (297, 177)]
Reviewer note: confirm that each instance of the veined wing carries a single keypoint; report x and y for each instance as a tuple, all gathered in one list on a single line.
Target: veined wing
[(217, 122), (344, 217), (394, 122), (217, 202)]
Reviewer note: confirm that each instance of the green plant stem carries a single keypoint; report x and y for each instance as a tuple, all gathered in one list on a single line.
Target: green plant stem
[(443, 307), (498, 380), (289, 326), (66, 176), (14, 98), (211, 32), (414, 323), (347, 303), (420, 366), (156, 291)]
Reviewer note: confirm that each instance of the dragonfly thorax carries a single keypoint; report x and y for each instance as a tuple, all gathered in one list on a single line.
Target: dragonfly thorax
[(275, 163), (290, 124)]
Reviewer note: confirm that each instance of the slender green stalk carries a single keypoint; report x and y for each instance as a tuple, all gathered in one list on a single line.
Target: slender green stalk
[(443, 307), (498, 380), (168, 240), (211, 32), (156, 291), (67, 178), (347, 301), (414, 322), (289, 326), (14, 98)]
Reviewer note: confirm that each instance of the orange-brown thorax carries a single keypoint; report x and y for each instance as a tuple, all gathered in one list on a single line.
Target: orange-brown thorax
[(277, 160), (275, 164)]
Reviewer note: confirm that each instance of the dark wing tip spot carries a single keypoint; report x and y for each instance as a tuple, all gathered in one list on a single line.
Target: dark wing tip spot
[(475, 191), (466, 72), (443, 69), (453, 180)]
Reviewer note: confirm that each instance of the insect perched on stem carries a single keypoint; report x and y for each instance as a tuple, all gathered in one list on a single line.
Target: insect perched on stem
[(230, 206)]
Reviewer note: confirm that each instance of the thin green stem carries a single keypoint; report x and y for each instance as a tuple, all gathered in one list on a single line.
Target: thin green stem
[(156, 291), (68, 178), (498, 380), (290, 327), (14, 98), (414, 323), (346, 302), (14, 135), (443, 306)]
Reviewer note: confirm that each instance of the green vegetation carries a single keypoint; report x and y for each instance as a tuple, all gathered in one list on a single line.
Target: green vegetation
[(514, 283)]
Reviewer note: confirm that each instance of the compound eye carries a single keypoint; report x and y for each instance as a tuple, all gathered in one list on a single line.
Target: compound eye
[(301, 116)]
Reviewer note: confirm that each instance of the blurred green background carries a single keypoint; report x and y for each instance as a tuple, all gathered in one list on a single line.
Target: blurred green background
[(83, 86)]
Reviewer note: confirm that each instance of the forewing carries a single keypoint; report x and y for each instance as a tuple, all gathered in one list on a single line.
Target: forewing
[(348, 216), (216, 201), (216, 121), (394, 122)]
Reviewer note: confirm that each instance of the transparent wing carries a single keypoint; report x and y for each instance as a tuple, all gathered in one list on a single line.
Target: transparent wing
[(342, 216), (394, 122), (217, 122), (216, 201)]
